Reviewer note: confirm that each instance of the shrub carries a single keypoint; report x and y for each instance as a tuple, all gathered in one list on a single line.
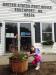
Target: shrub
[(19, 57), (48, 42)]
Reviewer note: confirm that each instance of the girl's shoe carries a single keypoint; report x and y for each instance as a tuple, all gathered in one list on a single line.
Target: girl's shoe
[(37, 68)]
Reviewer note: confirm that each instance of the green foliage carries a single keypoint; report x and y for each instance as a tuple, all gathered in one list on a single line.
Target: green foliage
[(48, 42), (19, 57), (22, 57)]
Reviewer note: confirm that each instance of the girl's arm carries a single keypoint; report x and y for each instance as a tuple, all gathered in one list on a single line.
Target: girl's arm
[(28, 53)]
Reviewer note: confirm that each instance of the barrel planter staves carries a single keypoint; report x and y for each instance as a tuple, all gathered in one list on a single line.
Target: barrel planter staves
[(18, 66)]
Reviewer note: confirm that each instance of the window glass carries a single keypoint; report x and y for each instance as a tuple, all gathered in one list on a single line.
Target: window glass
[(46, 31), (46, 36), (25, 36), (46, 27), (11, 37)]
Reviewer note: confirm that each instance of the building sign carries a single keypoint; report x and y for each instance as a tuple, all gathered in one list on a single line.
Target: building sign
[(25, 34), (54, 1), (28, 10)]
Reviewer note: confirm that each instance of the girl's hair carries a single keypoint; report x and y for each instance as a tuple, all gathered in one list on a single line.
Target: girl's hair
[(32, 50)]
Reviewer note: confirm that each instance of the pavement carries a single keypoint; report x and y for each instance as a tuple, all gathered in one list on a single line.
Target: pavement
[(46, 68)]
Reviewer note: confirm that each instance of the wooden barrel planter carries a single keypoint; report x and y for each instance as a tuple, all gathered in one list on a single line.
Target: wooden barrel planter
[(18, 66)]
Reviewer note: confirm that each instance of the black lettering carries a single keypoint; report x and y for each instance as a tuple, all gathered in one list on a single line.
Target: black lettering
[(39, 11), (29, 15)]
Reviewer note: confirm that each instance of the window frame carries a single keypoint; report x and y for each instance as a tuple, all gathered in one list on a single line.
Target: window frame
[(46, 32)]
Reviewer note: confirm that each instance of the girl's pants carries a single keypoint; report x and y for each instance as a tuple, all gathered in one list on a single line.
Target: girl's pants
[(37, 59)]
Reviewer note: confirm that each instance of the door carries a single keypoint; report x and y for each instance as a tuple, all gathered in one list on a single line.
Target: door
[(25, 36), (11, 36)]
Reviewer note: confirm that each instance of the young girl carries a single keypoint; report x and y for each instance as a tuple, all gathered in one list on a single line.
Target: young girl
[(37, 57)]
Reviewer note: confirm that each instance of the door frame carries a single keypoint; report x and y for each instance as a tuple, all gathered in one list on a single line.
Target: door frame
[(5, 32), (30, 29), (18, 25)]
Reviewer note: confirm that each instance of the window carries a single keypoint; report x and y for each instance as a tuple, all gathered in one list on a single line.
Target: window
[(46, 31), (0, 31)]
